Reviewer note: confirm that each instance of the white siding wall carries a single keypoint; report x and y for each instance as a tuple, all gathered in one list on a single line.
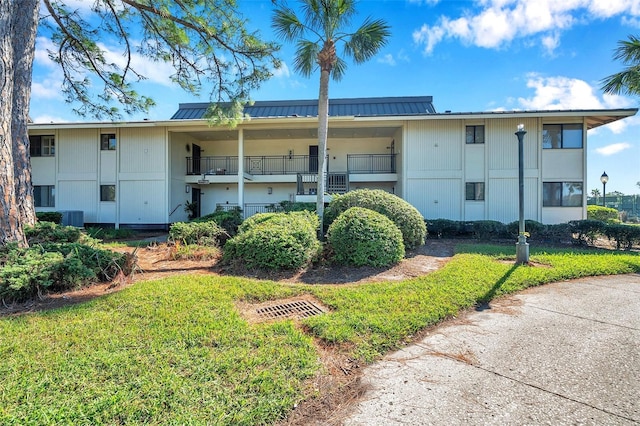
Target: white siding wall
[(143, 176), (43, 170), (142, 202), (78, 195), (434, 168), (502, 201)]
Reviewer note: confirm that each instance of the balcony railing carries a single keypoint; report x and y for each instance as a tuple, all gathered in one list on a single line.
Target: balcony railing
[(287, 164), (371, 163)]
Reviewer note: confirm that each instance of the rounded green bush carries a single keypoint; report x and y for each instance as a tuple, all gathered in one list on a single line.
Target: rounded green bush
[(605, 214), (275, 241), (362, 237), (201, 233), (406, 217)]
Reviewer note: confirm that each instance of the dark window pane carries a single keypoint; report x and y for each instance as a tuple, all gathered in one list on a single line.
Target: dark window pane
[(474, 191), (572, 136), (107, 192), (108, 141), (470, 134), (552, 194), (552, 136), (35, 146), (470, 191)]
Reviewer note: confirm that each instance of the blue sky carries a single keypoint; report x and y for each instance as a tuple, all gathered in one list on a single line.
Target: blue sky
[(471, 55)]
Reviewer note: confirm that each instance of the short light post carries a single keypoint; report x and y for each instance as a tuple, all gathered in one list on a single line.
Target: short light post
[(522, 247), (604, 179)]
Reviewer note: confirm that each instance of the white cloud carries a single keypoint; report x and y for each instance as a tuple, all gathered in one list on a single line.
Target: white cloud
[(387, 59), (564, 93), (155, 71), (282, 71), (493, 24), (613, 148)]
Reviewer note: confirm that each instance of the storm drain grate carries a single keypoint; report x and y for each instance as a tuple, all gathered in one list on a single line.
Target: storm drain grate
[(296, 309)]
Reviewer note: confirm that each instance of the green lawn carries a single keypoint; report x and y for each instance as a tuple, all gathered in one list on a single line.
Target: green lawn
[(176, 351)]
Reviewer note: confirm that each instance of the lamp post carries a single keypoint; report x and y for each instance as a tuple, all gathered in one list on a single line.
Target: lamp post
[(604, 179), (522, 247)]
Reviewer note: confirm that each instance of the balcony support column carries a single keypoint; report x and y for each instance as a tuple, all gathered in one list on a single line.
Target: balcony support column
[(241, 169)]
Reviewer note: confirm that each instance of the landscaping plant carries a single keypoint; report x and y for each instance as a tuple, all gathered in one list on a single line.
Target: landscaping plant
[(406, 217), (363, 237)]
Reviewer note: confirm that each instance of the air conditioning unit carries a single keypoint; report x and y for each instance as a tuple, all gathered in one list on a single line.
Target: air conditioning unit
[(73, 218)]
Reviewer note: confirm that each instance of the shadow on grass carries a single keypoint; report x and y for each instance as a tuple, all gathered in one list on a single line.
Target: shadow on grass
[(483, 302)]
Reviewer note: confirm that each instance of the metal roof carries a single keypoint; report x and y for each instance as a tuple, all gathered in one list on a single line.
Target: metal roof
[(356, 107)]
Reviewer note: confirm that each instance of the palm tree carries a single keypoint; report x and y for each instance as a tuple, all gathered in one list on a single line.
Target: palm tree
[(627, 81), (595, 193), (325, 24)]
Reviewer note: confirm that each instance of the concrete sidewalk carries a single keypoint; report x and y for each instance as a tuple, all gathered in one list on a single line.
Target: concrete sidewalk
[(564, 353)]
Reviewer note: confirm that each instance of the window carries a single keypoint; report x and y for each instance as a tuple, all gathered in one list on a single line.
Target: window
[(44, 195), (108, 141), (107, 192), (475, 134), (474, 191), (562, 194), (555, 136), (42, 146)]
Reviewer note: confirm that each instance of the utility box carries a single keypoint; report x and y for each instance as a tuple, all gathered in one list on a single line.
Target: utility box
[(73, 218)]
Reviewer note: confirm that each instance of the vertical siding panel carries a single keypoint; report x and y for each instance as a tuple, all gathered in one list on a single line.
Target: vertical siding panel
[(503, 199), (434, 145), (142, 150), (77, 151), (436, 198), (78, 195)]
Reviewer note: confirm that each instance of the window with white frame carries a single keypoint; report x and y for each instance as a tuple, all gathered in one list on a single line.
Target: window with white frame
[(107, 192), (42, 145), (562, 136), (474, 191), (562, 194), (108, 141), (475, 134), (44, 195)]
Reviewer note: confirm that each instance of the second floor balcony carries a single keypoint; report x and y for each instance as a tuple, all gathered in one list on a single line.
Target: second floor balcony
[(288, 164)]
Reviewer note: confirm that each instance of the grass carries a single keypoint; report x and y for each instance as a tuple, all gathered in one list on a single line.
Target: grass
[(176, 351)]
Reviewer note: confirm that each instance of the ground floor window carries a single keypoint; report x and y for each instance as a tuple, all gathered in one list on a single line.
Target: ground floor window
[(107, 192), (474, 191), (562, 194), (44, 195)]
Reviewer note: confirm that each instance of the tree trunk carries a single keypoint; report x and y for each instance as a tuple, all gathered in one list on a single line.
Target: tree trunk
[(25, 24), (323, 127), (10, 226)]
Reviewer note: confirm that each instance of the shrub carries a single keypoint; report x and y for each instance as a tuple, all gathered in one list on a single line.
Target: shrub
[(362, 237), (406, 217), (536, 230), (27, 272), (291, 206), (275, 241), (444, 228), (202, 233), (558, 233), (587, 230), (43, 232), (487, 229), (291, 218), (230, 220), (604, 214), (55, 217), (624, 235)]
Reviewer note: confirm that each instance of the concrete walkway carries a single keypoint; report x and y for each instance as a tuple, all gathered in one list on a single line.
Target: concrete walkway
[(561, 354)]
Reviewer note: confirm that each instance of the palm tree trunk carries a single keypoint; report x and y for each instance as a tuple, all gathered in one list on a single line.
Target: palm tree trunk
[(323, 127)]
